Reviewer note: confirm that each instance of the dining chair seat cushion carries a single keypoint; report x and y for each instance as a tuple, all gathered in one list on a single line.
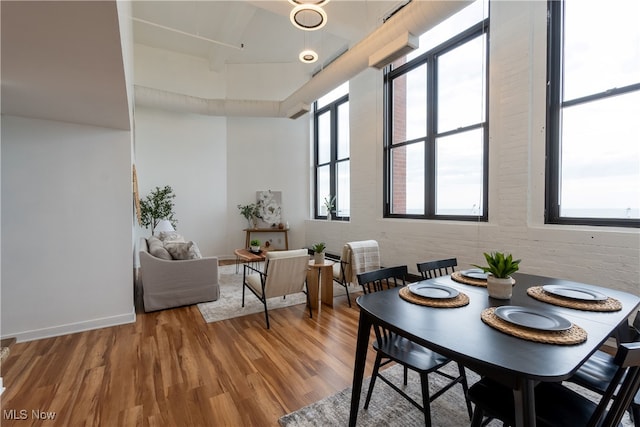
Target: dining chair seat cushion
[(404, 351), (556, 405)]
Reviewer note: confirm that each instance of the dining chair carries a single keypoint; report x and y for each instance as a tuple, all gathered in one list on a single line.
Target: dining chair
[(285, 273), (557, 405), (441, 267), (596, 373), (391, 347)]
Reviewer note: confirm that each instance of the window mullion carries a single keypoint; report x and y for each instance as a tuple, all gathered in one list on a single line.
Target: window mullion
[(430, 147)]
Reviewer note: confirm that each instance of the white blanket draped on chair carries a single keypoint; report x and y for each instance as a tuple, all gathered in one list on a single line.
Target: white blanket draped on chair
[(365, 256)]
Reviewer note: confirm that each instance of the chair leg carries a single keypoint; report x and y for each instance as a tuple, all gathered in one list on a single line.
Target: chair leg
[(306, 285), (266, 312), (374, 375), (465, 389), (478, 415), (406, 375), (243, 289), (426, 407), (346, 287)]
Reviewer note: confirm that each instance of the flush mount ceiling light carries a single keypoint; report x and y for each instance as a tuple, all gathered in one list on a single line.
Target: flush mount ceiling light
[(308, 17), (316, 2), (308, 56)]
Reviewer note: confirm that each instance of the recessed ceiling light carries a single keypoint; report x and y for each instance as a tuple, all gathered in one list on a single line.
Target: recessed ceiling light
[(308, 17), (308, 56)]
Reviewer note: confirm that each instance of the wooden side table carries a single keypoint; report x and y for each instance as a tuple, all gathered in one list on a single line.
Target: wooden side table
[(285, 231), (248, 257), (320, 281)]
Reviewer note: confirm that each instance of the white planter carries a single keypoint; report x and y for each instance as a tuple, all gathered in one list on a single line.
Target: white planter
[(500, 288), (318, 258), (255, 248)]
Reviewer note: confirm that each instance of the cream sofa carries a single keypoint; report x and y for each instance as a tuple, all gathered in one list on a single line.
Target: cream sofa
[(167, 283)]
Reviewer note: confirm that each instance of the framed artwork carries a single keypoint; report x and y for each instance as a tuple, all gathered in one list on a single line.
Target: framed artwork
[(269, 208)]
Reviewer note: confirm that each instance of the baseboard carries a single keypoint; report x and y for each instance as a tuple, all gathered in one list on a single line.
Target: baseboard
[(72, 328)]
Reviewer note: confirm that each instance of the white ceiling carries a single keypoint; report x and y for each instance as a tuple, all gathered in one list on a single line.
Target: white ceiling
[(254, 32)]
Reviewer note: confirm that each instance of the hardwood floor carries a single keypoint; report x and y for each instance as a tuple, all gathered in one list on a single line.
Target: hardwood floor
[(171, 368)]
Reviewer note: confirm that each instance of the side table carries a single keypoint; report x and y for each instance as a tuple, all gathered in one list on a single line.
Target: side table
[(320, 281), (248, 257)]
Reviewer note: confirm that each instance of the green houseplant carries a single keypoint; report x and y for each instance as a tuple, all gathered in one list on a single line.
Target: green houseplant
[(251, 213), (254, 245), (158, 205), (318, 252), (500, 267)]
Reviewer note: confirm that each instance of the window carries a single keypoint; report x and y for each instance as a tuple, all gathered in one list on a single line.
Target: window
[(436, 138), (332, 167), (593, 138)]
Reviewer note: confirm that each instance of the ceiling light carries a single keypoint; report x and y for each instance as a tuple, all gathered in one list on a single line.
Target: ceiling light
[(308, 17), (316, 2), (308, 56)]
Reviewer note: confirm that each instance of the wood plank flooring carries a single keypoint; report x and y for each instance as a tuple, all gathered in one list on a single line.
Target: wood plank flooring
[(171, 368)]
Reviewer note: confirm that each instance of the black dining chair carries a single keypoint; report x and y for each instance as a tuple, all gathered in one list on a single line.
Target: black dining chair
[(559, 406), (391, 347), (441, 267), (596, 373)]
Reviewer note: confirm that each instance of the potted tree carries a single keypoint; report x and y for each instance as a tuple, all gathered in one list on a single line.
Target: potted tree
[(499, 269), (158, 205), (254, 245), (318, 252)]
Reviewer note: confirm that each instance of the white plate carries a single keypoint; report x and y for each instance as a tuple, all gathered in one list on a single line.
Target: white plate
[(430, 290), (532, 318), (474, 273), (574, 292)]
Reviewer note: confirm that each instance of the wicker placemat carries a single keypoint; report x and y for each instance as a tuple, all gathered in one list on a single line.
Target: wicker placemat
[(573, 335), (458, 277), (610, 304), (460, 300)]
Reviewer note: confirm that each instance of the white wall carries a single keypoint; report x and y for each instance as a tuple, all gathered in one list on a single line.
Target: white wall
[(189, 153), (604, 256), (66, 222)]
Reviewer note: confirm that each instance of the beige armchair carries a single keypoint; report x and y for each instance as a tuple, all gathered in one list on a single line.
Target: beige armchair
[(356, 257), (174, 283), (285, 273)]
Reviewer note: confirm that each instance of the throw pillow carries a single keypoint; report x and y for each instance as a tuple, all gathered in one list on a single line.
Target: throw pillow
[(156, 248), (194, 252), (171, 236), (179, 250)]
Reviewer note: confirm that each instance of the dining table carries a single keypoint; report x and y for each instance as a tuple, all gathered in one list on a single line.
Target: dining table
[(461, 334)]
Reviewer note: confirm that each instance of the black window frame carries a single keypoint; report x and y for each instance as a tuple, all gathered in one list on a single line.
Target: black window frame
[(555, 104), (430, 58), (333, 162)]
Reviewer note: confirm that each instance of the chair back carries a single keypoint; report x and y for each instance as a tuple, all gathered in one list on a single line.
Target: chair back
[(365, 256), (441, 267), (286, 272), (383, 278), (624, 386)]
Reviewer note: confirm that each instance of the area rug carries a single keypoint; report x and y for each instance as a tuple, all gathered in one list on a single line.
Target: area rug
[(229, 305), (388, 408)]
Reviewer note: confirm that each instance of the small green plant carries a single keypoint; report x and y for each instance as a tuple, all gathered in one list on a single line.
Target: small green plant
[(499, 265), (251, 212), (330, 203), (254, 243), (158, 205), (318, 247)]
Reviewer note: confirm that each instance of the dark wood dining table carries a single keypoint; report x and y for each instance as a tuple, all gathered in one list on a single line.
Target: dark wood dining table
[(460, 334)]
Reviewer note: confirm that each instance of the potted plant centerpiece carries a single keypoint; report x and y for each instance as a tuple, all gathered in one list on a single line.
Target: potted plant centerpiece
[(250, 212), (499, 269), (318, 252), (254, 245)]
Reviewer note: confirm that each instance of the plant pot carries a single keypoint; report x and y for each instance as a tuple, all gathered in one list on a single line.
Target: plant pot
[(318, 258), (328, 217), (255, 248), (500, 288)]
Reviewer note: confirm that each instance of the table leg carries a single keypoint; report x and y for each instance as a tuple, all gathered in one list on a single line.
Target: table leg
[(525, 403), (364, 327), (313, 284), (327, 285)]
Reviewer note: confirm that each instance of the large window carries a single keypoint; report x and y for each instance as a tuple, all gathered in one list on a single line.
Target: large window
[(435, 153), (593, 138), (332, 167)]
